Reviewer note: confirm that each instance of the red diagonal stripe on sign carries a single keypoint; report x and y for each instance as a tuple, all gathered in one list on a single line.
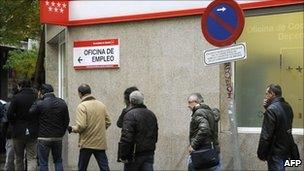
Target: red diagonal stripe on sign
[(221, 22)]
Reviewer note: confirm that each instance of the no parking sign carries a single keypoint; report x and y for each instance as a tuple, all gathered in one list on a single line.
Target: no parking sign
[(222, 22)]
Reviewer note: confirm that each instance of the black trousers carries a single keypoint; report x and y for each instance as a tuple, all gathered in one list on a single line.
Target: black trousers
[(100, 156)]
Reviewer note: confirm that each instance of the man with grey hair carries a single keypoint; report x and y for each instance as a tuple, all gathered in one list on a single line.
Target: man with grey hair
[(139, 136), (136, 98), (203, 131), (197, 97)]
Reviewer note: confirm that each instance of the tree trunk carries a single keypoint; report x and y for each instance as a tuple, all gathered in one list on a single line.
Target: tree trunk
[(40, 71)]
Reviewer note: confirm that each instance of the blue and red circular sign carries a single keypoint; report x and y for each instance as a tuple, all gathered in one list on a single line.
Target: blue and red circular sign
[(222, 22)]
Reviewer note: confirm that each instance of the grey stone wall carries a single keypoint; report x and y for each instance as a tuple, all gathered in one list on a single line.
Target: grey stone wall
[(163, 58)]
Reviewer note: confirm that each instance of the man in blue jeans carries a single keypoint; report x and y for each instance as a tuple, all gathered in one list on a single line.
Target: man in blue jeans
[(53, 122)]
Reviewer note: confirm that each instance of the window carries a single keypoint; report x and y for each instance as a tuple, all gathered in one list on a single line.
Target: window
[(275, 55)]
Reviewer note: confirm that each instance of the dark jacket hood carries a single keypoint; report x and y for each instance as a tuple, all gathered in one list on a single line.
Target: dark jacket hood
[(216, 114), (215, 111)]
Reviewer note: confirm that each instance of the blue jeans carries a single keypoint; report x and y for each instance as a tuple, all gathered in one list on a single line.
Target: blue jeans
[(100, 156), (44, 148), (141, 163), (214, 168), (276, 163)]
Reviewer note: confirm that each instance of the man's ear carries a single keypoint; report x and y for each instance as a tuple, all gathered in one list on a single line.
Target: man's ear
[(79, 94), (272, 94)]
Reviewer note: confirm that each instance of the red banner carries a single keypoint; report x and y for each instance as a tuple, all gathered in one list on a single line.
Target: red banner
[(54, 12)]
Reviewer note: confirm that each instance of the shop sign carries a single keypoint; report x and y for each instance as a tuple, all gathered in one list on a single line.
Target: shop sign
[(96, 54), (223, 55)]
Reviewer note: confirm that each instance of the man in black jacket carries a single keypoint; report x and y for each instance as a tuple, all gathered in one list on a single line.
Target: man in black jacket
[(24, 126), (127, 93), (203, 128), (139, 136), (53, 122), (276, 138)]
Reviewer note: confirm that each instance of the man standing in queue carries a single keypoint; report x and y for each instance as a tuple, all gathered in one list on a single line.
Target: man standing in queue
[(53, 122), (139, 136), (91, 122), (276, 142)]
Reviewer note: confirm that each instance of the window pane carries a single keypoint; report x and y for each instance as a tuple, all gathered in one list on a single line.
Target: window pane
[(275, 55)]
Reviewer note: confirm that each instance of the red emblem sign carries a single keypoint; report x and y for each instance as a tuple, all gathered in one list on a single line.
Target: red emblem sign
[(54, 12)]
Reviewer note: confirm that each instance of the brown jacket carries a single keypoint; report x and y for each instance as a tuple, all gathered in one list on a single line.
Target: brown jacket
[(92, 120)]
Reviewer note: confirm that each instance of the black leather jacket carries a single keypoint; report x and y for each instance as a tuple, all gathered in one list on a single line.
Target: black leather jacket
[(139, 133), (204, 127), (53, 116), (276, 138)]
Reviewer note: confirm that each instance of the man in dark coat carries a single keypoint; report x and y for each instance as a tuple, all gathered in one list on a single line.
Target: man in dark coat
[(276, 139), (203, 128), (53, 122), (24, 126), (139, 136), (127, 93)]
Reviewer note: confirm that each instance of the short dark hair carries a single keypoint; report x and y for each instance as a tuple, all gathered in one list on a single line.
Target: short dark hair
[(46, 88), (276, 89), (15, 89), (84, 89), (25, 83), (127, 93)]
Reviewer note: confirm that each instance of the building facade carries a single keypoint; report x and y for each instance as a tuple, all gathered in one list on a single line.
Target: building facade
[(163, 58)]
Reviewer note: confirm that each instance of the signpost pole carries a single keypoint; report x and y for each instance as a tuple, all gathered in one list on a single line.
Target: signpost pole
[(222, 24), (233, 123)]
